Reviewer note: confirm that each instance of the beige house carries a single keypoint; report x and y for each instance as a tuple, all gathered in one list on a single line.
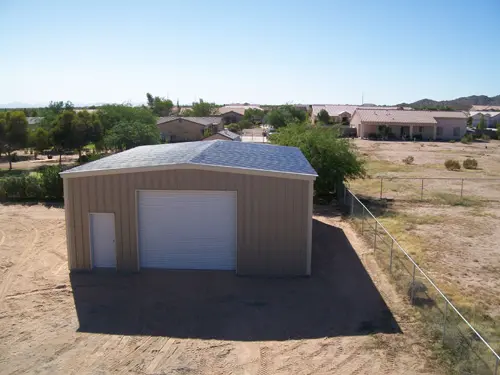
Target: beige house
[(197, 205), (232, 114), (186, 129), (427, 125), (339, 113)]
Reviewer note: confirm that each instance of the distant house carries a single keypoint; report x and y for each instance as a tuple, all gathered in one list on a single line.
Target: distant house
[(232, 114), (491, 118), (224, 135), (339, 113), (34, 121), (480, 108), (427, 125), (187, 129)]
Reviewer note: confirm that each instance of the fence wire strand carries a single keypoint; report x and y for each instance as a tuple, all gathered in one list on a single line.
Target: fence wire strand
[(467, 351)]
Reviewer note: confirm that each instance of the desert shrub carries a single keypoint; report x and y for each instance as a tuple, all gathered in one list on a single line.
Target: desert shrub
[(14, 186), (468, 138), (452, 165), (14, 157), (409, 160), (470, 163), (485, 137), (451, 141), (83, 159), (32, 188), (51, 182), (417, 137), (372, 136)]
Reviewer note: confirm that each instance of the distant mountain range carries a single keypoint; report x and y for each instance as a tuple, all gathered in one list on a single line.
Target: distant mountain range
[(463, 103)]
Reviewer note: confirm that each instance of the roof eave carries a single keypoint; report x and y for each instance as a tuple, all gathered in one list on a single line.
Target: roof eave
[(206, 167)]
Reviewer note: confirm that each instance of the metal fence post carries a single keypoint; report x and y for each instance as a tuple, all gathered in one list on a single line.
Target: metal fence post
[(413, 285), (422, 191), (462, 189), (352, 204), (375, 238), (444, 321), (390, 261), (381, 182)]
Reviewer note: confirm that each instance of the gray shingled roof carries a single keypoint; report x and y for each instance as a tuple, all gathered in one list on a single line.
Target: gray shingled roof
[(205, 121), (262, 157), (229, 134)]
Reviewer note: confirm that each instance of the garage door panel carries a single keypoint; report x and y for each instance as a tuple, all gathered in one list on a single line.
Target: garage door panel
[(187, 230)]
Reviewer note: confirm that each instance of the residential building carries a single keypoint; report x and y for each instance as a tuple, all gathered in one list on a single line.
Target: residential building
[(479, 108), (427, 125), (232, 114), (491, 118), (187, 129), (339, 113), (224, 135)]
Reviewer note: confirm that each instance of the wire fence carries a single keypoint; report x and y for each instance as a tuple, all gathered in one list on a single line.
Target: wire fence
[(425, 188), (463, 346)]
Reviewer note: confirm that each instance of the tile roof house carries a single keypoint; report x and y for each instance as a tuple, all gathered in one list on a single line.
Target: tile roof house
[(339, 113), (186, 129), (478, 108), (234, 113), (224, 135), (491, 118), (427, 125)]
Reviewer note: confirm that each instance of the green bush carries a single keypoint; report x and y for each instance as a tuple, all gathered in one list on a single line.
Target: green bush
[(470, 163), (51, 182), (451, 141), (468, 138), (14, 186), (32, 188), (452, 165)]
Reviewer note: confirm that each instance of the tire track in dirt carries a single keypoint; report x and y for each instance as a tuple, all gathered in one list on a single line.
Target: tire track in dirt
[(5, 285), (3, 237)]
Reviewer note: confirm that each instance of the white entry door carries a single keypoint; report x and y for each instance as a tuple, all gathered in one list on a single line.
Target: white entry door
[(102, 240), (187, 229)]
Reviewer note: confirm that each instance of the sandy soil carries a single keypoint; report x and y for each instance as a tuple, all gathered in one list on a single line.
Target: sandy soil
[(345, 319), (28, 161), (457, 244)]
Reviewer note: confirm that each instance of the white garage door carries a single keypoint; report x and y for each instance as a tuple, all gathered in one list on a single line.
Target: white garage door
[(187, 229)]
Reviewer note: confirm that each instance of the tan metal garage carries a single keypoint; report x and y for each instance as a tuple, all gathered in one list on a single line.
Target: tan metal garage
[(199, 205)]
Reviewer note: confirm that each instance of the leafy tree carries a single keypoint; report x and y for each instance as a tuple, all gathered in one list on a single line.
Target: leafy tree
[(16, 132), (482, 123), (202, 109), (323, 117), (159, 106), (39, 139), (130, 134), (62, 133), (469, 122), (284, 115), (86, 129), (335, 159), (112, 114), (254, 114), (3, 126)]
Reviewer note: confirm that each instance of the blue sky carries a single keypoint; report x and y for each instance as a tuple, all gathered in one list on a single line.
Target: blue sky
[(248, 51)]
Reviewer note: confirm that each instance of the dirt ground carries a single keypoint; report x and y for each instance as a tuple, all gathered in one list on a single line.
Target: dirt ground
[(28, 161), (345, 319), (455, 240)]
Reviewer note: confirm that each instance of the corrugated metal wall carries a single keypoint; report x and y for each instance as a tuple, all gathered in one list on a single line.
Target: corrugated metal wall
[(274, 216)]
